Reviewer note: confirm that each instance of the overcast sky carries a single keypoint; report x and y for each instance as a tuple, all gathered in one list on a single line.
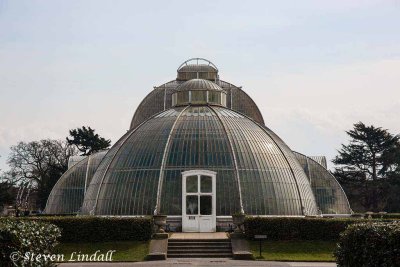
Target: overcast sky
[(314, 68)]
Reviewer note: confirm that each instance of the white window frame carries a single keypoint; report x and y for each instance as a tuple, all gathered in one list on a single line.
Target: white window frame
[(199, 218)]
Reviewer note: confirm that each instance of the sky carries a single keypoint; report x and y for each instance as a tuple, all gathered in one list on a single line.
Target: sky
[(314, 68)]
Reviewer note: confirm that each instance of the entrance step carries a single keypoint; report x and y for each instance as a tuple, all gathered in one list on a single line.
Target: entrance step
[(199, 248)]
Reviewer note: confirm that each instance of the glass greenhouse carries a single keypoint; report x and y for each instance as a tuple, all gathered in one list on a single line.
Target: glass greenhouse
[(198, 151)]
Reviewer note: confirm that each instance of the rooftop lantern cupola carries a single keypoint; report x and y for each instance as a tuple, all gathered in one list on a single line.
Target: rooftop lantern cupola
[(197, 68), (199, 92)]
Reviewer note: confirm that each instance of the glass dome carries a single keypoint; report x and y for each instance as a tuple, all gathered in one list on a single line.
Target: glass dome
[(198, 151), (67, 195), (329, 195), (161, 98), (255, 170), (199, 92), (197, 68)]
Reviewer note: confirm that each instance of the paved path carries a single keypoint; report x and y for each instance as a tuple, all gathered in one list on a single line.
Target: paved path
[(203, 262)]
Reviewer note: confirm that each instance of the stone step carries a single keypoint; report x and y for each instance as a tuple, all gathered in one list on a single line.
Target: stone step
[(199, 246), (211, 250), (199, 240), (199, 255)]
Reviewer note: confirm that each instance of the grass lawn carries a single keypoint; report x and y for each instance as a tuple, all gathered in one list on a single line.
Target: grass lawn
[(294, 250), (125, 250)]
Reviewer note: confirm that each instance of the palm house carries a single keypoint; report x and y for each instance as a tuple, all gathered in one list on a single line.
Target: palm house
[(198, 151)]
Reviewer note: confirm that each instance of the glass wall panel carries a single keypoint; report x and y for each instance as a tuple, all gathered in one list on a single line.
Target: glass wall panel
[(128, 183), (192, 184), (329, 195), (199, 142), (214, 97), (174, 99), (271, 182), (198, 97), (201, 137), (192, 205), (205, 205), (160, 99), (223, 100), (205, 184), (67, 195), (182, 97)]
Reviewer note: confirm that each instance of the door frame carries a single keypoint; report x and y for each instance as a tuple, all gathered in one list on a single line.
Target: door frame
[(213, 216)]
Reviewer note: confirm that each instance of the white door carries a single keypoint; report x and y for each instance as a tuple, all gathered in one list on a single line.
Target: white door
[(198, 201)]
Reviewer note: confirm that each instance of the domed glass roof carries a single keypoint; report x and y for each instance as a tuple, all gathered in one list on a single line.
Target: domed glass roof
[(191, 130), (197, 68), (198, 92), (66, 197), (256, 171), (329, 195), (198, 84), (161, 98)]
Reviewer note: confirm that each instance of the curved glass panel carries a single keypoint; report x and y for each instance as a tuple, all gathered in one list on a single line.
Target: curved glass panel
[(321, 160), (193, 71), (329, 195), (182, 98), (198, 141), (128, 184), (74, 160), (201, 137), (198, 97), (161, 99), (271, 181), (67, 195), (94, 185), (214, 97)]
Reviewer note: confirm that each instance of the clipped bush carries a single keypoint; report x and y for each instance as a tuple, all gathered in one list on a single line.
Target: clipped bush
[(369, 245), (386, 216), (82, 229), (297, 228), (20, 240)]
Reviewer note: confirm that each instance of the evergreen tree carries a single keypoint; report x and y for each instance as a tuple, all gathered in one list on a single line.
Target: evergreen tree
[(369, 166), (87, 141)]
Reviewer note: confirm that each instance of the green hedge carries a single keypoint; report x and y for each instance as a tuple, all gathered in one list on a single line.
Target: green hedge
[(20, 239), (386, 216), (99, 229), (297, 228), (369, 245)]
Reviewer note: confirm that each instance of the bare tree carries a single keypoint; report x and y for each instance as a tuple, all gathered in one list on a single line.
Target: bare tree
[(41, 163)]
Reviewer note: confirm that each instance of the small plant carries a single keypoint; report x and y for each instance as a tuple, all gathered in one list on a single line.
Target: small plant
[(21, 238)]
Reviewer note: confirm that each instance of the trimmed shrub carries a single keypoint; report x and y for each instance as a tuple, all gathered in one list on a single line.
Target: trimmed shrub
[(19, 240), (297, 228), (369, 245), (81, 229), (386, 216)]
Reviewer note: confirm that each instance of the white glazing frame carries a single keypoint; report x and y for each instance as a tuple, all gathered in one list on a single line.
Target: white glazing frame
[(199, 173)]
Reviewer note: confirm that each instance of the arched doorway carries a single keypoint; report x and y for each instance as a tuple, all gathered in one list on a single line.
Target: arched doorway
[(198, 201)]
